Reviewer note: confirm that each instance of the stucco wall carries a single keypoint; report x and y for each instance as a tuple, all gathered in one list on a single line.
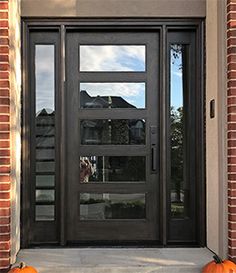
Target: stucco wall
[(15, 122), (160, 8), (216, 128)]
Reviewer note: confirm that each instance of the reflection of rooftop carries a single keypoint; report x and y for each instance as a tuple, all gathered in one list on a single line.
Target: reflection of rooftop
[(86, 101), (45, 112)]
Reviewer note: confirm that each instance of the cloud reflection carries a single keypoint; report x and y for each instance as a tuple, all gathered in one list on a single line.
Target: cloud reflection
[(132, 92), (112, 58), (44, 77)]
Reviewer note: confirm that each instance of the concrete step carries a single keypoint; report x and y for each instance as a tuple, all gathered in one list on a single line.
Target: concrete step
[(116, 260)]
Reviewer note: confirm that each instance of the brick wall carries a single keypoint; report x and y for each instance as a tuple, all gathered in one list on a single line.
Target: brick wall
[(4, 137), (231, 97)]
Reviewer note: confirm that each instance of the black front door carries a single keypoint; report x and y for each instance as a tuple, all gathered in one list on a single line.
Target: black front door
[(112, 136)]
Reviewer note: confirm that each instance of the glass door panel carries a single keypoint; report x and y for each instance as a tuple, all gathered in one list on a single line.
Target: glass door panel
[(112, 153)]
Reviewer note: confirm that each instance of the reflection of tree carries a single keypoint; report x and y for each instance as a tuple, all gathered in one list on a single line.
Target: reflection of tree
[(176, 118), (176, 53)]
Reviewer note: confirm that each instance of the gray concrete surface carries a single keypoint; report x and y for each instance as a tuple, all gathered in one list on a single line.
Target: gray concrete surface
[(116, 260)]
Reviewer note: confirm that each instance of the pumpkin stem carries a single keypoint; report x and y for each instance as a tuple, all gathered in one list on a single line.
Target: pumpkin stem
[(22, 265), (217, 259)]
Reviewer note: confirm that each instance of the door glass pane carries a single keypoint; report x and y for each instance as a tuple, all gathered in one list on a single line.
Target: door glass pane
[(102, 206), (112, 57), (45, 167), (112, 168), (45, 195), (44, 212), (112, 131), (44, 130), (45, 180), (178, 183), (112, 95)]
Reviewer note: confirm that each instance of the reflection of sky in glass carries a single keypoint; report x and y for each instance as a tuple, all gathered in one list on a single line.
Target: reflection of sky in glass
[(44, 77), (112, 58), (176, 77), (133, 93)]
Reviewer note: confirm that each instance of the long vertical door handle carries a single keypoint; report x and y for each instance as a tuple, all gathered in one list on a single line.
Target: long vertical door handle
[(153, 147), (154, 158)]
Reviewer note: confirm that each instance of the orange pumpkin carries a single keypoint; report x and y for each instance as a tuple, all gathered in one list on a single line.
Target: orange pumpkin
[(219, 266), (22, 268)]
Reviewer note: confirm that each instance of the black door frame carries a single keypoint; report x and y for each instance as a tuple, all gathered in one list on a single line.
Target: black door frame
[(60, 26)]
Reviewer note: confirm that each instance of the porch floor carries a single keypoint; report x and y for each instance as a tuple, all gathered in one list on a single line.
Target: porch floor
[(116, 260)]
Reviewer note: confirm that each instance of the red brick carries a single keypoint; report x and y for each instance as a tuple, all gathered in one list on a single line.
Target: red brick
[(4, 49), (232, 66), (4, 92), (232, 252), (5, 229), (5, 204), (4, 212), (231, 16), (232, 75), (4, 32), (232, 243), (4, 75), (231, 24), (232, 100), (231, 83), (4, 263), (4, 118), (4, 161), (4, 58), (231, 193), (231, 202), (232, 217), (5, 169), (4, 152), (3, 14), (232, 225), (5, 186), (232, 109), (5, 246), (230, 118), (4, 195), (4, 5), (4, 23), (5, 178), (4, 109), (4, 135), (231, 135), (231, 49), (4, 41), (231, 7), (4, 254), (231, 41), (232, 126), (231, 33), (230, 168), (4, 127), (231, 91), (232, 209), (4, 143), (230, 152), (5, 237), (4, 101), (231, 160), (4, 67)]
